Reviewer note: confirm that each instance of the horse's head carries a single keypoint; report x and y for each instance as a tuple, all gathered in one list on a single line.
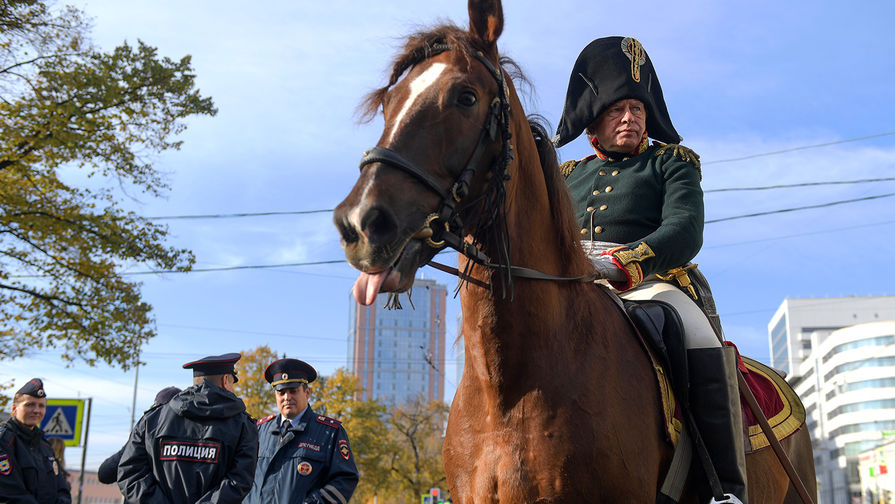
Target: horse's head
[(446, 113)]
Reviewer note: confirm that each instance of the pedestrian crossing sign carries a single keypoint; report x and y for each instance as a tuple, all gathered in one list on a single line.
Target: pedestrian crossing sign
[(63, 420)]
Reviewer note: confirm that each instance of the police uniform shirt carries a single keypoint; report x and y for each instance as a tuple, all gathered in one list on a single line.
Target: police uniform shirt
[(29, 471), (312, 463)]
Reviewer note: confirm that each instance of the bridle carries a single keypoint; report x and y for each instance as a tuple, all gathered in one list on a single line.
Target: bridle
[(444, 227)]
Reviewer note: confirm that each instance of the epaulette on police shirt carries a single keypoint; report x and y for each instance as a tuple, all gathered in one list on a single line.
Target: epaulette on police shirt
[(330, 422), (265, 419), (686, 154)]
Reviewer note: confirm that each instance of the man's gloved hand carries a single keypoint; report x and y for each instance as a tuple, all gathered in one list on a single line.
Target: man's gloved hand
[(606, 269)]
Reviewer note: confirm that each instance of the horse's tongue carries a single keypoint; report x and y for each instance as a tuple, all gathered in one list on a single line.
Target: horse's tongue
[(367, 286)]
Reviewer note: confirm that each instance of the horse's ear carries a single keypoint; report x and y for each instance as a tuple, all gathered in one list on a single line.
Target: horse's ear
[(486, 20)]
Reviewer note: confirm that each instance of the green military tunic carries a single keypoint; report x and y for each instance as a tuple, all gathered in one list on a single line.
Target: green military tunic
[(650, 203)]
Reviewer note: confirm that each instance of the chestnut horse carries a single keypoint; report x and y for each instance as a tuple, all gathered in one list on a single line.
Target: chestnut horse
[(558, 402)]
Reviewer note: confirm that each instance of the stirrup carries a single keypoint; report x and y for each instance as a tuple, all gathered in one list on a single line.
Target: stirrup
[(728, 499)]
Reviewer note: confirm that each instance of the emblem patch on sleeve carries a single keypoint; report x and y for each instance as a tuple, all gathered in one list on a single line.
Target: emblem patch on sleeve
[(190, 451), (304, 468), (344, 450), (5, 464)]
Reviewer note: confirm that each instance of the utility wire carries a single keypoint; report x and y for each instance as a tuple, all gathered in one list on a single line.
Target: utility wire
[(799, 208), (304, 212), (803, 184), (236, 215), (793, 149)]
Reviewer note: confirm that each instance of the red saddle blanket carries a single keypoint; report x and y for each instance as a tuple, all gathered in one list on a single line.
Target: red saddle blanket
[(779, 402)]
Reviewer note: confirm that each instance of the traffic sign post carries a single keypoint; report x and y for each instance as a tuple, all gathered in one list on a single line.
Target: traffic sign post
[(64, 419)]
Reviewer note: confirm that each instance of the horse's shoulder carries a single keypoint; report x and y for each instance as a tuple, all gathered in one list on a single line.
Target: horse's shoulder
[(681, 152)]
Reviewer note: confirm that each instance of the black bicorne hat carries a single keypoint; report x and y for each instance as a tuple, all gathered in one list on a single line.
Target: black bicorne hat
[(610, 69), (34, 388), (214, 365), (289, 373)]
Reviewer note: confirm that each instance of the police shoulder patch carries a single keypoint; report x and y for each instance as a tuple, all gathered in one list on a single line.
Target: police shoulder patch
[(5, 464), (265, 419), (329, 422)]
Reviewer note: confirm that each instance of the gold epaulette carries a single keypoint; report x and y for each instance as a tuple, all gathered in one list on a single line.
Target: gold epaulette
[(567, 168), (685, 153)]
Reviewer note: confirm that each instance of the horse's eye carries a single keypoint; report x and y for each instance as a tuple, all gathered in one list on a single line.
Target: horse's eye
[(467, 99)]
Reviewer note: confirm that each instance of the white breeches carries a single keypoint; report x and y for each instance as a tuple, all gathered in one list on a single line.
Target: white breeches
[(698, 332)]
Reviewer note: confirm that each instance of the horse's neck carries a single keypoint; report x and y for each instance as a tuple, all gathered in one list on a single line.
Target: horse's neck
[(507, 333)]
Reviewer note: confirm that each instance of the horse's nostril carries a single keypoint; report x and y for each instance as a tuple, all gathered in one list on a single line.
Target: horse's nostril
[(379, 226), (349, 234)]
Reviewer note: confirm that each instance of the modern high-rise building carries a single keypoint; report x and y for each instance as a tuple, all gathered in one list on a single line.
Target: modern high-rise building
[(839, 354), (398, 354), (799, 319)]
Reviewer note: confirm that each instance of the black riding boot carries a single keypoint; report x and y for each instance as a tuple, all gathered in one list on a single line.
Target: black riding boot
[(715, 403)]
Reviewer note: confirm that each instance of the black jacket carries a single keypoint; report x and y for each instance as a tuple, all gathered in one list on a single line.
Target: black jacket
[(201, 447), (108, 470), (29, 472)]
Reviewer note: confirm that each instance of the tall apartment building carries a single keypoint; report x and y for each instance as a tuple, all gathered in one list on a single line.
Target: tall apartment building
[(399, 354), (839, 354), (797, 320)]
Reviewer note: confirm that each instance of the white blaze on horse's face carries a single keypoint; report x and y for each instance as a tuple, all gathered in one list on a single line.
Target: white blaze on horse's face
[(417, 88)]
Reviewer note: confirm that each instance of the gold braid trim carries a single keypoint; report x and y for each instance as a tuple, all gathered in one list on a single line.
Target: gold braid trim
[(567, 168), (685, 153), (623, 257), (682, 278), (635, 275)]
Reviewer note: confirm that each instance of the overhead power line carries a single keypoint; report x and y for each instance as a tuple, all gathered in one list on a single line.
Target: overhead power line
[(803, 184), (237, 215), (822, 205), (794, 149), (304, 212)]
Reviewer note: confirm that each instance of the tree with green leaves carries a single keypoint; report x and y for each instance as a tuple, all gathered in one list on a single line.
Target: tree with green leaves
[(252, 387), (339, 396), (417, 432), (78, 131)]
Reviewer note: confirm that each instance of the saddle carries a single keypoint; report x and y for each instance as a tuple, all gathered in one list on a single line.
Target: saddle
[(661, 333)]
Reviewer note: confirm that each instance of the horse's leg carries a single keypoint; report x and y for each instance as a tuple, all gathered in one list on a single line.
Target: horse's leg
[(802, 456), (768, 481)]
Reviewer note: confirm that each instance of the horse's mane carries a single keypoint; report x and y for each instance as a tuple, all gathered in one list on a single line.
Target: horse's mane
[(418, 47)]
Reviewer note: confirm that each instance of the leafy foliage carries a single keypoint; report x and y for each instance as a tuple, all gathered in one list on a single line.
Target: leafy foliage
[(417, 433), (252, 388), (71, 112)]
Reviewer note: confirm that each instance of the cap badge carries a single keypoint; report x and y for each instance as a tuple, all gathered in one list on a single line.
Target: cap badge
[(304, 468), (634, 51), (284, 376)]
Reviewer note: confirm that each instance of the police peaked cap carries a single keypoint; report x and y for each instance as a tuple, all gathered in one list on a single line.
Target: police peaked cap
[(289, 373), (610, 69), (214, 365), (34, 388)]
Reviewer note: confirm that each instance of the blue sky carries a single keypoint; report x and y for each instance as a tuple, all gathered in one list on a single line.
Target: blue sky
[(740, 79)]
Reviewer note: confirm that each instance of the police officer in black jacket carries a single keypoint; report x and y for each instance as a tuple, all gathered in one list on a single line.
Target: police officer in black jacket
[(304, 458), (201, 447), (29, 471), (108, 470)]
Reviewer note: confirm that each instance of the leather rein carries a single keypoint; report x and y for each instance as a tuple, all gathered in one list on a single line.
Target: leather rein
[(443, 227)]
